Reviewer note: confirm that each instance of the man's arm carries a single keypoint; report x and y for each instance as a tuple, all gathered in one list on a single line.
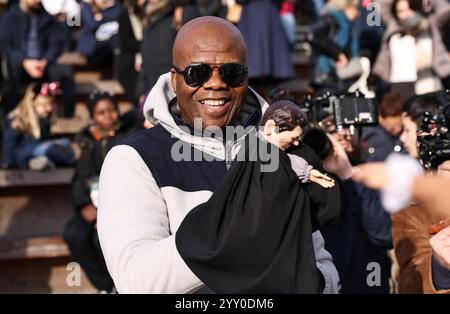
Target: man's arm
[(133, 228), (432, 191), (15, 56), (324, 263), (55, 42), (375, 219)]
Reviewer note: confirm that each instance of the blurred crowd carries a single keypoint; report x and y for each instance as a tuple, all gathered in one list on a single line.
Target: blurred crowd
[(401, 58)]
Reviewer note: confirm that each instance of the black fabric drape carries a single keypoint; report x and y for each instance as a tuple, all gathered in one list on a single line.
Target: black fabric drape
[(254, 234), (325, 204)]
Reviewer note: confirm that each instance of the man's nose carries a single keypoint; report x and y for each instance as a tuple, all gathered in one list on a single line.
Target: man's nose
[(215, 81)]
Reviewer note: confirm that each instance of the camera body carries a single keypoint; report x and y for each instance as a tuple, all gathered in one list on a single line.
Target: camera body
[(434, 146), (349, 109)]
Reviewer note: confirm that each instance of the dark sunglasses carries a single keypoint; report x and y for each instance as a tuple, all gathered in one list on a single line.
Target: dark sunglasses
[(195, 75)]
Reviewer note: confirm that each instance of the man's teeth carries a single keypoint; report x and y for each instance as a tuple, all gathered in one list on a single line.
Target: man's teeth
[(213, 102)]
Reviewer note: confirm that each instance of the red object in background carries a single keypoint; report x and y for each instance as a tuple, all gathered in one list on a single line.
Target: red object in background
[(287, 7), (435, 228), (365, 3)]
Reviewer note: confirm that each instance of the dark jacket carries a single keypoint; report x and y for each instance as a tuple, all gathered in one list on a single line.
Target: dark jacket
[(211, 8), (129, 46), (362, 236), (93, 154), (379, 143), (18, 147), (14, 25), (159, 37), (88, 43), (269, 54)]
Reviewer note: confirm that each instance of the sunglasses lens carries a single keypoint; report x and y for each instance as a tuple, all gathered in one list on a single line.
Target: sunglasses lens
[(233, 74), (196, 75)]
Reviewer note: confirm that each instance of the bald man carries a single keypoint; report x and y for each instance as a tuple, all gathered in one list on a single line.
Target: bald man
[(146, 190)]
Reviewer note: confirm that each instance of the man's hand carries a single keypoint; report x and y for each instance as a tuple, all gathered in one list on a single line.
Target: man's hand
[(321, 179), (374, 175), (89, 213), (444, 169), (440, 243), (341, 60), (35, 68), (178, 17), (337, 161)]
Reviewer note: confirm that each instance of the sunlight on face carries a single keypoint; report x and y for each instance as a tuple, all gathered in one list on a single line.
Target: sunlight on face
[(409, 136)]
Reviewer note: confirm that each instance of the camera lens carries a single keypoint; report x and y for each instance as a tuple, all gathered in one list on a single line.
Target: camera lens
[(318, 141)]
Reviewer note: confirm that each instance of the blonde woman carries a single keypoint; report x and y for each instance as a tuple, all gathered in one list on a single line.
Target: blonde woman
[(27, 139)]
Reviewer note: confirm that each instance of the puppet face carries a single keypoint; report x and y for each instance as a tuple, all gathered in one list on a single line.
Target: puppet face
[(284, 139)]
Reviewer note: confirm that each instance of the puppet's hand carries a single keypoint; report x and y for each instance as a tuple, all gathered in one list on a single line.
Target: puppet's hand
[(320, 178)]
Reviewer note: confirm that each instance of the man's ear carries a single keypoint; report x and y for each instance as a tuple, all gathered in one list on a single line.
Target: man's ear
[(269, 127), (173, 79)]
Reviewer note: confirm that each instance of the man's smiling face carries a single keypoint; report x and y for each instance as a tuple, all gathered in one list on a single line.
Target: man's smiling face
[(215, 42)]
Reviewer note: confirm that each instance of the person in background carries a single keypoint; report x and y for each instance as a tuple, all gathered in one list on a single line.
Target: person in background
[(27, 138), (287, 14), (363, 233), (412, 56), (421, 269), (99, 27), (412, 116), (381, 140), (211, 8), (67, 13), (335, 40), (32, 41), (269, 52), (95, 141), (131, 27), (412, 246), (164, 18)]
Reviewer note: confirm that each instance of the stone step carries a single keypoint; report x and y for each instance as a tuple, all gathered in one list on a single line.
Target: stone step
[(21, 178), (46, 275), (13, 248)]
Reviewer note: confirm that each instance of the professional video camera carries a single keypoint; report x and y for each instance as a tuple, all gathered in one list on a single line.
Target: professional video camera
[(433, 144), (348, 110)]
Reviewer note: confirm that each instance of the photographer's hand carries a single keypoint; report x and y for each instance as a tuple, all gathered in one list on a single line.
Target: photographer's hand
[(337, 161), (341, 60), (440, 243)]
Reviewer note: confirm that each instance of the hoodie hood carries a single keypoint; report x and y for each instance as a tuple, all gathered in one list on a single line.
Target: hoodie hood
[(157, 107)]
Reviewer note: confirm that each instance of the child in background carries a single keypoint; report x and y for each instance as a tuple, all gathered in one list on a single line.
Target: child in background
[(27, 139), (95, 141)]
